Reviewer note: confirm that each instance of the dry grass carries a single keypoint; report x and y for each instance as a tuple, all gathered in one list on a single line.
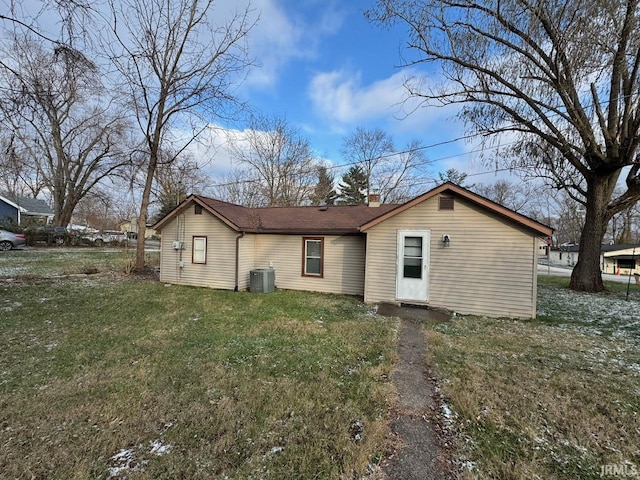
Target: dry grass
[(55, 262), (553, 398), (104, 372)]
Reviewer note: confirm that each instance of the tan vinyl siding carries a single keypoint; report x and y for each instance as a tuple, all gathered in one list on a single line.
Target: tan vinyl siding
[(247, 260), (219, 270), (488, 268), (343, 263)]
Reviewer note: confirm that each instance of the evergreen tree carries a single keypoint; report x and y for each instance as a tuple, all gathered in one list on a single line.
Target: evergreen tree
[(169, 200), (455, 176), (323, 192), (353, 187)]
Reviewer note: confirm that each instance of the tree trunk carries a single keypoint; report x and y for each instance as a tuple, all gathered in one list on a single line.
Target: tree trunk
[(587, 276), (64, 219), (142, 217)]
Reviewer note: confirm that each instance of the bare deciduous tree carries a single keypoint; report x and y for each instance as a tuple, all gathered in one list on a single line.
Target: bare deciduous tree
[(180, 70), (562, 76), (18, 176), (176, 179), (393, 175), (74, 17), (623, 226), (401, 176), (237, 186), (369, 149), (61, 123), (279, 159), (516, 196)]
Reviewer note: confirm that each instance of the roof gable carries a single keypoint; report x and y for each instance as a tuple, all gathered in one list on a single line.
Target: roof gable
[(479, 200), (27, 205)]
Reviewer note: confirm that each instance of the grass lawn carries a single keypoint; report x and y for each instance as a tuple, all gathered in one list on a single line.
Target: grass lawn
[(556, 397), (57, 261), (105, 376)]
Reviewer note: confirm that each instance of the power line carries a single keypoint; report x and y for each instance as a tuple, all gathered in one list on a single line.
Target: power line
[(401, 152), (435, 145)]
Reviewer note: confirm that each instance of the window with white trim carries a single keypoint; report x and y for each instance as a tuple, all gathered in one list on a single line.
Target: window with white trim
[(313, 257), (199, 250)]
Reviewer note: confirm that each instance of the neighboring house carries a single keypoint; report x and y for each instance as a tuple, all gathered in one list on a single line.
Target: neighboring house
[(131, 226), (448, 248), (620, 259), (614, 259), (564, 255), (15, 210)]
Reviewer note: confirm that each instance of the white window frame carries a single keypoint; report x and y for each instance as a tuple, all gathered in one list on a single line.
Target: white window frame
[(199, 250), (305, 256)]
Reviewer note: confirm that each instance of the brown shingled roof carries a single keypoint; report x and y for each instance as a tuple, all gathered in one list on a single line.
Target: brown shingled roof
[(333, 219), (336, 220)]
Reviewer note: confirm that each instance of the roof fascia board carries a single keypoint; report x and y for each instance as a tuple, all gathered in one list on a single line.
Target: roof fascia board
[(183, 206), (336, 232), (172, 213)]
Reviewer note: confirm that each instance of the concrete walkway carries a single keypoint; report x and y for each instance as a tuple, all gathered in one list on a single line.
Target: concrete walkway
[(418, 455)]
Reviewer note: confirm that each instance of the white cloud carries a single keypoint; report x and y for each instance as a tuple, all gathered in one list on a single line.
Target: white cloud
[(341, 98), (279, 38)]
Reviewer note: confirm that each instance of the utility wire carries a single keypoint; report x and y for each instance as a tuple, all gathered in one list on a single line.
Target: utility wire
[(417, 165), (432, 146)]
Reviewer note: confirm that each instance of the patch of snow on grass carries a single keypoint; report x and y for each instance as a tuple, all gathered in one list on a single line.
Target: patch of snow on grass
[(126, 460), (12, 271), (634, 367), (10, 306), (467, 465), (123, 461), (158, 448), (275, 450), (446, 411), (595, 314)]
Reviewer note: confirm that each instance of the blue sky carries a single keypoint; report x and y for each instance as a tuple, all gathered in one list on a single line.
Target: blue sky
[(328, 70)]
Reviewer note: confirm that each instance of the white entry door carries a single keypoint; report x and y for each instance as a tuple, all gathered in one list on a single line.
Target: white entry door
[(413, 261)]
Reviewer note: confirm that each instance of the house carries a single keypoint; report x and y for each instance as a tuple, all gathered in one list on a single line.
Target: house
[(131, 226), (564, 255), (444, 249), (614, 259), (15, 210), (620, 259)]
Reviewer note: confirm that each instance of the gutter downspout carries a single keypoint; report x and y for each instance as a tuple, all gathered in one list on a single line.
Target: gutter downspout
[(238, 237)]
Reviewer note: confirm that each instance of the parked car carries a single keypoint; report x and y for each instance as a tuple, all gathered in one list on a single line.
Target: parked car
[(9, 240), (52, 234), (104, 237)]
